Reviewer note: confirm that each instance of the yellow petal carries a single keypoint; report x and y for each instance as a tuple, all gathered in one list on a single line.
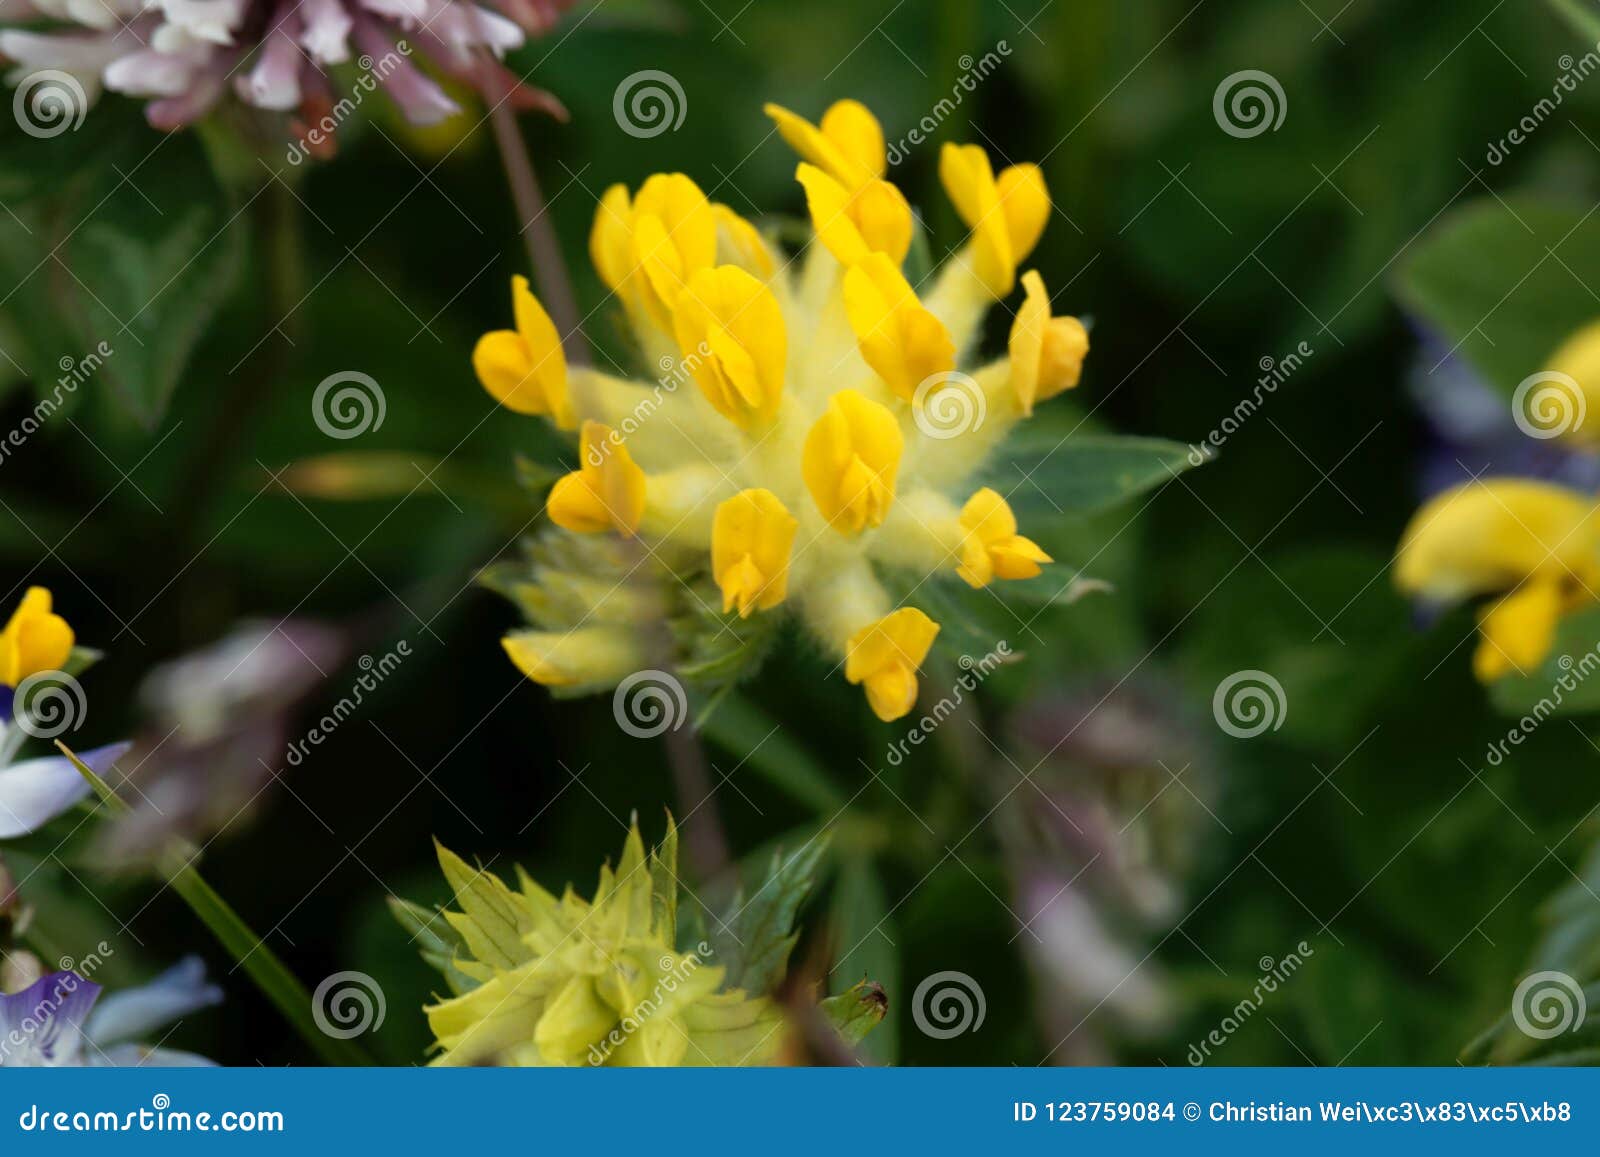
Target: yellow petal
[(606, 492), (874, 218), (526, 370), (993, 548), (848, 146), (1578, 358), (1518, 630), (740, 243), (611, 238), (35, 639), (885, 656), (1491, 534), (752, 536), (1046, 353), (903, 342), (731, 331), (590, 655), (1005, 216), (850, 459)]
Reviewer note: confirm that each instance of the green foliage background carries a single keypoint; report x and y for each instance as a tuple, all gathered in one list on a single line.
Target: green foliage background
[(1369, 825)]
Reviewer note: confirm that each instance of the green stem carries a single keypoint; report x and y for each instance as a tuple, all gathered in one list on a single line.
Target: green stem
[(247, 949)]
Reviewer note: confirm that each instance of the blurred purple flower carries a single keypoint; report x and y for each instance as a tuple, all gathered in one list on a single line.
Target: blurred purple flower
[(60, 1020), (183, 55)]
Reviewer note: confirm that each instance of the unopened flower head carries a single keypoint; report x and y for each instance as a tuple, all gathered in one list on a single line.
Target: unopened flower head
[(806, 468)]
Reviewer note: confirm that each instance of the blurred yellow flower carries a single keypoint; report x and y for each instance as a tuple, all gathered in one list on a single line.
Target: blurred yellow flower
[(1534, 544), (35, 639)]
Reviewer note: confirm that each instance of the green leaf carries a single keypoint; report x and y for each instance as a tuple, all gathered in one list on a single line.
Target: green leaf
[(759, 933), (1566, 683), (115, 267), (435, 939), (1049, 475), (857, 1011), (1495, 279), (1583, 17)]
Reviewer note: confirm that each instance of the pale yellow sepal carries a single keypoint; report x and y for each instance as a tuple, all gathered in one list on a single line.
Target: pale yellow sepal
[(898, 338), (752, 538), (848, 144), (853, 224), (850, 460), (1006, 214), (993, 548), (731, 332), (885, 656), (35, 639), (1046, 352), (584, 656), (606, 492), (525, 369)]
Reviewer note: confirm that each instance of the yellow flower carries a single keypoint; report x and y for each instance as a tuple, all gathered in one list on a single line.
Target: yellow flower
[(36, 639), (1538, 541), (850, 460), (1577, 358), (848, 145), (541, 980), (993, 548), (874, 218), (1006, 214), (885, 656), (648, 247), (606, 492), (751, 539), (784, 426), (525, 369), (898, 338), (732, 336), (1046, 352)]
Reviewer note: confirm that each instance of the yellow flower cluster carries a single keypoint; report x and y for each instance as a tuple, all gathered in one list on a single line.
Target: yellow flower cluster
[(815, 447)]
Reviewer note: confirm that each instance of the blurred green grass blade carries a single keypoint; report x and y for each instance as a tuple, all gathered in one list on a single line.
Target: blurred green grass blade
[(1583, 17), (247, 949), (738, 726)]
